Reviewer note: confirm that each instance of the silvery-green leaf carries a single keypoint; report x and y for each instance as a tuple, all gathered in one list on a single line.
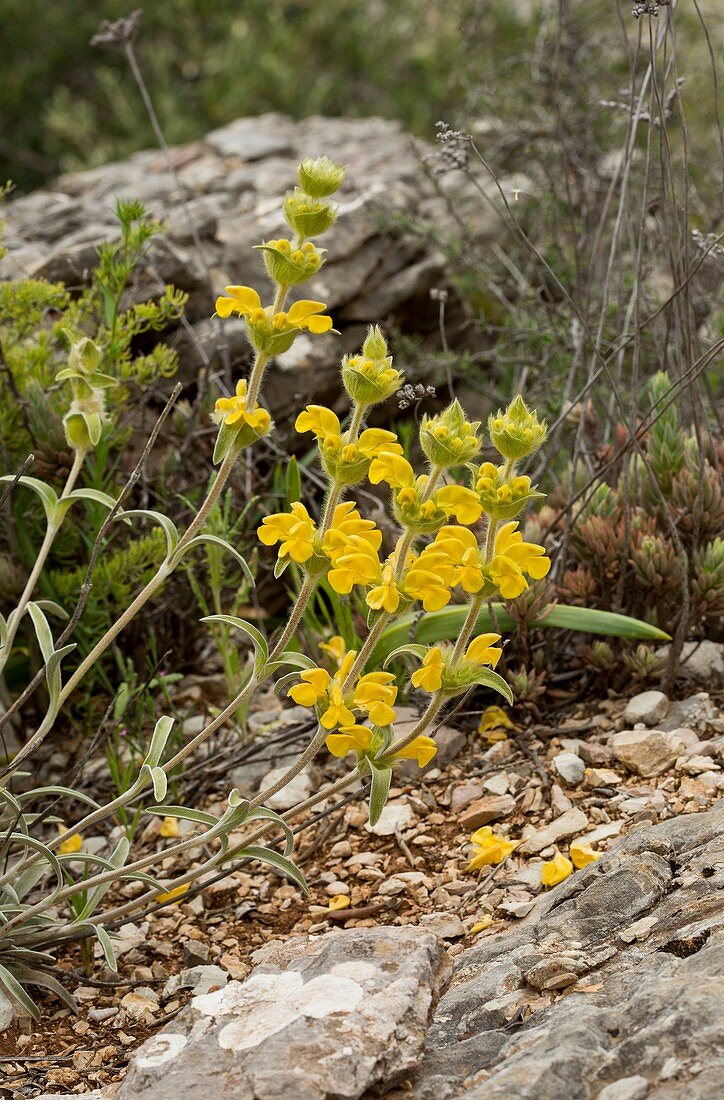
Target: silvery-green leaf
[(47, 495), (419, 651), (266, 855), (379, 790), (259, 642), (199, 540), (169, 528)]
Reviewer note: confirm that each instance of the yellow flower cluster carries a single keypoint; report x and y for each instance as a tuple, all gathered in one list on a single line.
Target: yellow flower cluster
[(416, 505), (299, 540), (441, 672), (270, 332), (232, 411), (511, 559), (346, 460)]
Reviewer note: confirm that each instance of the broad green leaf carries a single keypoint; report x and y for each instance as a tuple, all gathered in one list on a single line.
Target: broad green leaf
[(379, 790), (294, 481), (266, 855), (446, 625)]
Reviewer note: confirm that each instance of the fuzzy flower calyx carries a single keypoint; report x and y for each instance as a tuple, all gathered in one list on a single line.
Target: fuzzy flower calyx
[(308, 216), (448, 439), (320, 178), (288, 265), (503, 497), (516, 432), (442, 672), (369, 377)]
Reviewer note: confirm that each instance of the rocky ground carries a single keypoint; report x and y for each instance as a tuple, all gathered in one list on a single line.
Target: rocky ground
[(407, 973)]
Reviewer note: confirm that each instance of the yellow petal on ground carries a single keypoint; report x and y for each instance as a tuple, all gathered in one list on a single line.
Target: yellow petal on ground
[(73, 844), (494, 721), (170, 827), (481, 925), (582, 854), (555, 870), (339, 901)]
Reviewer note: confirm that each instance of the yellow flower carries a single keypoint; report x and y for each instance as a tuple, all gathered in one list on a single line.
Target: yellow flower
[(169, 827), (481, 650), (385, 596), (456, 500), (375, 441), (357, 563), (460, 547), (318, 419), (335, 648), (422, 749), (494, 722), (374, 694), (481, 925), (73, 844), (429, 579), (512, 558), (392, 468), (232, 410), (582, 854), (492, 849), (245, 301), (339, 901), (315, 682), (353, 738), (555, 870), (429, 676), (337, 712), (295, 531)]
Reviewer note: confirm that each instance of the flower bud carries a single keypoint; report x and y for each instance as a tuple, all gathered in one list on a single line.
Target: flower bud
[(448, 439), (370, 378), (308, 216), (502, 497), (289, 266), (319, 178), (517, 432)]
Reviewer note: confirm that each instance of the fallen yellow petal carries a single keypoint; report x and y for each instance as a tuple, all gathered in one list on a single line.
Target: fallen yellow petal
[(582, 854), (169, 827), (339, 901), (494, 721), (555, 870), (481, 925)]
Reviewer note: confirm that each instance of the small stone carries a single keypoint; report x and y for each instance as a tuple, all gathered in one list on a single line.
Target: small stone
[(395, 816), (196, 952), (602, 777), (497, 784), (628, 1088), (559, 800), (517, 909), (695, 765), (594, 754), (702, 662), (443, 925), (141, 1003), (98, 1015), (568, 824), (200, 979), (651, 752), (483, 810), (465, 793), (696, 713), (569, 767), (648, 707), (299, 788), (7, 1012)]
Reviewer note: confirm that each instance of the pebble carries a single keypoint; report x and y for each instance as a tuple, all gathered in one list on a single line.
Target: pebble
[(465, 793), (100, 1014), (200, 979), (651, 752), (483, 810), (395, 816), (569, 767), (443, 925), (648, 707), (560, 800), (602, 777), (568, 824)]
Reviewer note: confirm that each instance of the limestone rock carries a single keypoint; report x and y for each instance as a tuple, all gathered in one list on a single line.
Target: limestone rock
[(330, 1017), (484, 810), (648, 1006), (648, 707), (651, 752), (569, 767), (702, 662), (568, 824), (201, 979)]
